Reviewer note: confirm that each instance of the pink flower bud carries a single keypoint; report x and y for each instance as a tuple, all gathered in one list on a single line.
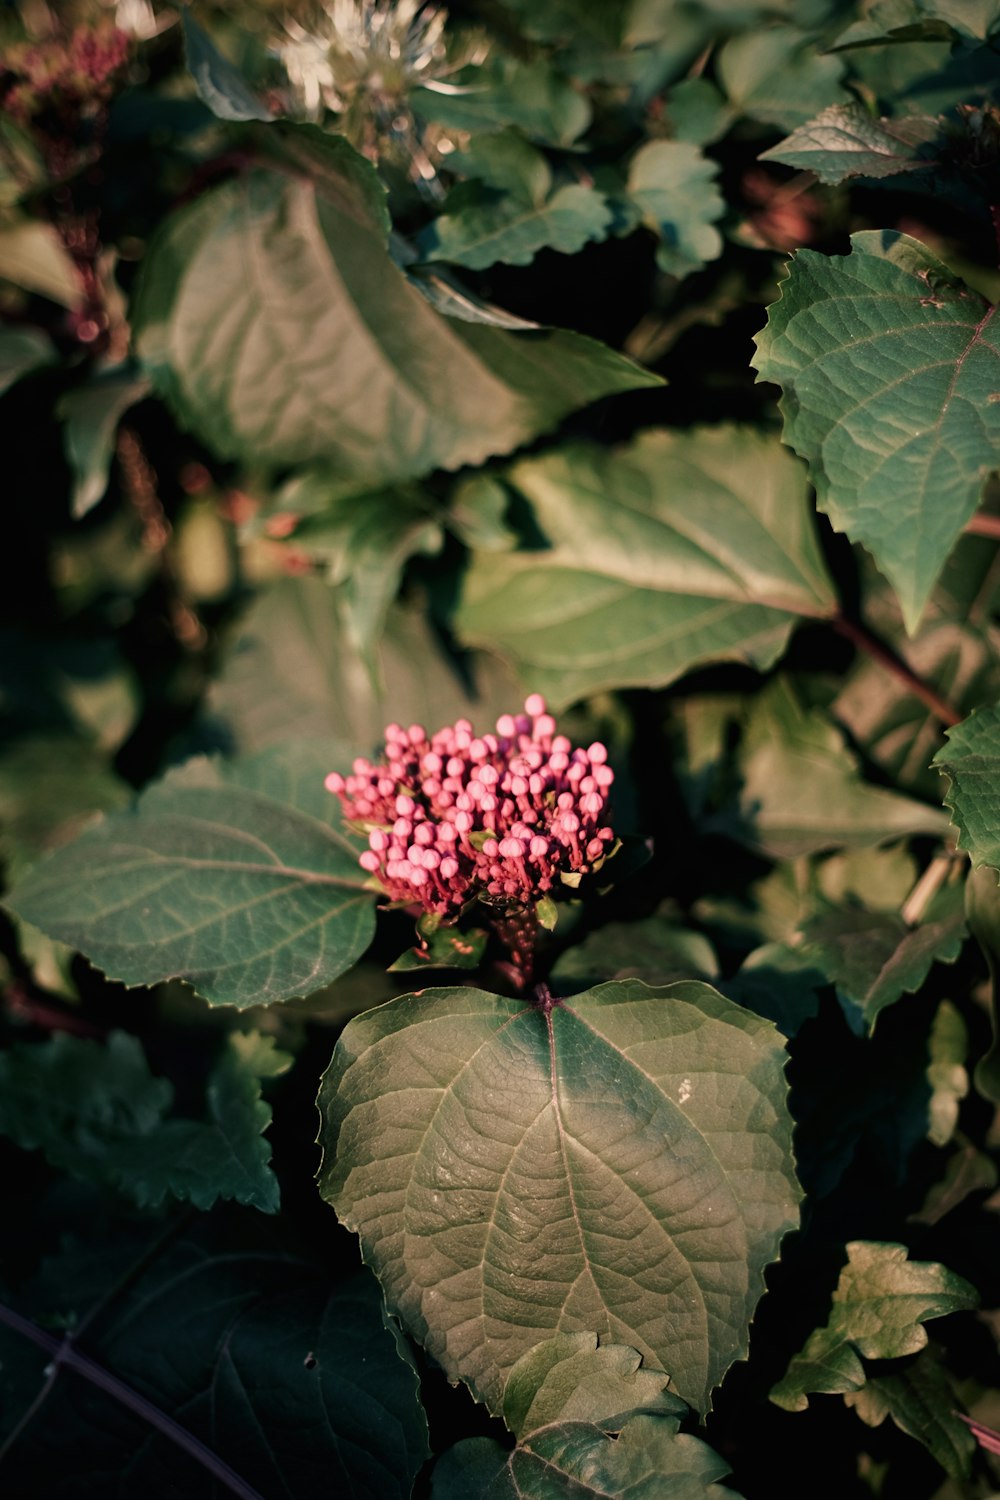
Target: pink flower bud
[(448, 867), (378, 840), (335, 782), (370, 861), (595, 849), (592, 804), (534, 705), (539, 847), (511, 848), (544, 726), (506, 726)]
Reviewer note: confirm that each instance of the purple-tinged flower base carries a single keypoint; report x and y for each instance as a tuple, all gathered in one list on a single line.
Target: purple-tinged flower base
[(501, 817)]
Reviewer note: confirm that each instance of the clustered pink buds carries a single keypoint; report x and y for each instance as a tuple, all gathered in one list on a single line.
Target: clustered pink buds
[(501, 816)]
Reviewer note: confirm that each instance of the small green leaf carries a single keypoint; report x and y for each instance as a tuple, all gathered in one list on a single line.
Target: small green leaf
[(879, 1307), (98, 1113), (446, 948), (673, 187), (875, 957), (971, 761), (513, 231), (220, 85), (272, 316), (655, 1117), (648, 1458), (920, 1400), (660, 556), (846, 141), (230, 876), (574, 1377), (887, 363)]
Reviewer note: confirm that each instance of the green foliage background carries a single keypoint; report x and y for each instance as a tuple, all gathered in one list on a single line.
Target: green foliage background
[(373, 365)]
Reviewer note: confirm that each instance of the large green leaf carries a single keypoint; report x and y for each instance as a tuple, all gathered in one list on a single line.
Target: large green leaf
[(508, 91), (620, 1164), (847, 141), (232, 877), (683, 548), (99, 1113), (91, 413), (886, 361), (299, 1387), (879, 1308), (648, 1460), (21, 351), (874, 957), (971, 761), (33, 256), (273, 317)]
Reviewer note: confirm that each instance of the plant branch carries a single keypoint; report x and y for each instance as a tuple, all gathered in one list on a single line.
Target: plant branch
[(66, 1356), (984, 525), (883, 657)]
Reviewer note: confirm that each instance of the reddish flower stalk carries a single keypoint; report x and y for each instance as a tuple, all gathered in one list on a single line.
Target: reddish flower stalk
[(504, 818)]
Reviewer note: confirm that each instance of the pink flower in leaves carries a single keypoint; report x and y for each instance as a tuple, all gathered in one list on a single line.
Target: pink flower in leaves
[(502, 817)]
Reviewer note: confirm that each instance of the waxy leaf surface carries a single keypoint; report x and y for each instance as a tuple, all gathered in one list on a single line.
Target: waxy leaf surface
[(273, 317), (890, 368), (846, 141), (621, 1165), (682, 548), (232, 877)]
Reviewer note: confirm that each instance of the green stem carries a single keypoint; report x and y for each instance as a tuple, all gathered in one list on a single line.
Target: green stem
[(883, 657), (65, 1356)]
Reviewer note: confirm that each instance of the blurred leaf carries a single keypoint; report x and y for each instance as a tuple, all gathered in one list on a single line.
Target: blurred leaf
[(780, 983), (21, 351), (908, 336), (656, 949), (920, 1400), (801, 788), (293, 674), (33, 256), (875, 957), (948, 1047), (659, 557), (363, 543), (633, 1131), (50, 787), (504, 91), (98, 1113), (90, 414), (967, 1171), (982, 912), (879, 1307), (220, 85), (231, 876), (318, 347), (777, 76), (906, 20), (673, 187)]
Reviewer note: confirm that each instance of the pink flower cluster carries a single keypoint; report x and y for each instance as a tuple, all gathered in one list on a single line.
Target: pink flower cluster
[(501, 816)]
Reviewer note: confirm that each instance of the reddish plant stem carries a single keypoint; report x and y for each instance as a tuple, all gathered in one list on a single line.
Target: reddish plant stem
[(984, 525), (893, 664), (518, 931), (66, 1356)]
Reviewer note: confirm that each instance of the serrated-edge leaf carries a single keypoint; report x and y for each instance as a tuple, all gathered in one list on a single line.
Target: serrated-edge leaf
[(971, 762)]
